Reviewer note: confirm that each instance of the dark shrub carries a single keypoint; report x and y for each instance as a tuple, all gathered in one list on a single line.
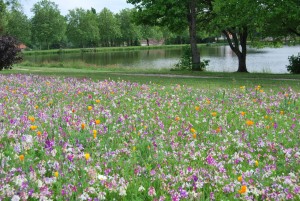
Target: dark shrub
[(294, 66), (10, 52)]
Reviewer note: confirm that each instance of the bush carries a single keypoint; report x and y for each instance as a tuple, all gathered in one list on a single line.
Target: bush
[(294, 66), (185, 62), (9, 52)]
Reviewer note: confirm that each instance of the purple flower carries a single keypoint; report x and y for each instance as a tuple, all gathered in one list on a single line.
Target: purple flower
[(210, 160)]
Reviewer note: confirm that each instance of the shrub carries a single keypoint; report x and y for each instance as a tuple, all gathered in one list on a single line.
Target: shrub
[(294, 66), (9, 52), (185, 62)]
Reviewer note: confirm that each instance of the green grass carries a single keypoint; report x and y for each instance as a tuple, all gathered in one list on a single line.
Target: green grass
[(167, 77)]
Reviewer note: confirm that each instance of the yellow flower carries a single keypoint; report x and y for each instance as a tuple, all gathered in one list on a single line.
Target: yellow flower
[(133, 148), (90, 108), (249, 123), (281, 112), (87, 156), (97, 121), (197, 108), (243, 189), (256, 163), (33, 127), (214, 114), (242, 87), (97, 101), (21, 157), (193, 130), (36, 107), (56, 174), (240, 178), (95, 134)]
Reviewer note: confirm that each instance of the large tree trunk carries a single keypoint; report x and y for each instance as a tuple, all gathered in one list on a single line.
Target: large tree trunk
[(235, 40), (192, 15)]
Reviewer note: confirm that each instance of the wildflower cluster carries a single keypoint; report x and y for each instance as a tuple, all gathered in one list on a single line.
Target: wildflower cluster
[(78, 139)]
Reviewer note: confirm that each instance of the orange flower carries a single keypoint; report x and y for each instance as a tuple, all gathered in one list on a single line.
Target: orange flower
[(193, 130), (243, 113), (56, 174), (97, 121), (249, 123), (194, 135), (82, 126), (31, 118), (214, 114), (33, 127), (243, 189), (39, 133), (87, 156), (197, 108), (36, 107), (90, 108), (97, 101), (177, 118), (240, 178), (21, 157), (218, 130)]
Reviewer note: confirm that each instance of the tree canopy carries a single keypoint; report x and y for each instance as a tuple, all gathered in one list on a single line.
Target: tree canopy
[(48, 25)]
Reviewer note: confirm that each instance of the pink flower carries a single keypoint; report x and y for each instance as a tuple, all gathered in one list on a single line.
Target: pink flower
[(151, 191)]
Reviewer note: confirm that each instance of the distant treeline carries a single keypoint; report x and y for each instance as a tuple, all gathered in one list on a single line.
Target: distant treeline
[(80, 28)]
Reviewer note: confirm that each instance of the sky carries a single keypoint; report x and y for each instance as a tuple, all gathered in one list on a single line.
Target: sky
[(65, 5)]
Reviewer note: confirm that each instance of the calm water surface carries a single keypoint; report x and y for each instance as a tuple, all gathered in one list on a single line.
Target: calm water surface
[(222, 59)]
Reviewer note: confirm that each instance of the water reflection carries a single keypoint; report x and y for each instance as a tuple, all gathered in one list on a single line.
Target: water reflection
[(273, 60)]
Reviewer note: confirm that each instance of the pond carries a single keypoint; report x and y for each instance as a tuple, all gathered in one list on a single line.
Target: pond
[(222, 59)]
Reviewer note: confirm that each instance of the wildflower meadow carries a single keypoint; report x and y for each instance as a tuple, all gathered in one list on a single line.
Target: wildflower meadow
[(78, 139)]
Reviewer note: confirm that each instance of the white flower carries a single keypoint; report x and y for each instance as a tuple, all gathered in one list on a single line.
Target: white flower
[(102, 195), (15, 198), (84, 196), (102, 177), (122, 191), (141, 188)]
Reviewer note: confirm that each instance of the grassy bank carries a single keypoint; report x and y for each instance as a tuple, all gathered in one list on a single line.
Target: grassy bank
[(167, 77), (98, 49)]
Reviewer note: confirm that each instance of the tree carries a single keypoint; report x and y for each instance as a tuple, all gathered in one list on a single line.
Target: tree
[(151, 32), (9, 52), (176, 15), (82, 28), (243, 20), (109, 29), (48, 25), (130, 32), (238, 20), (19, 25), (3, 13), (283, 17)]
